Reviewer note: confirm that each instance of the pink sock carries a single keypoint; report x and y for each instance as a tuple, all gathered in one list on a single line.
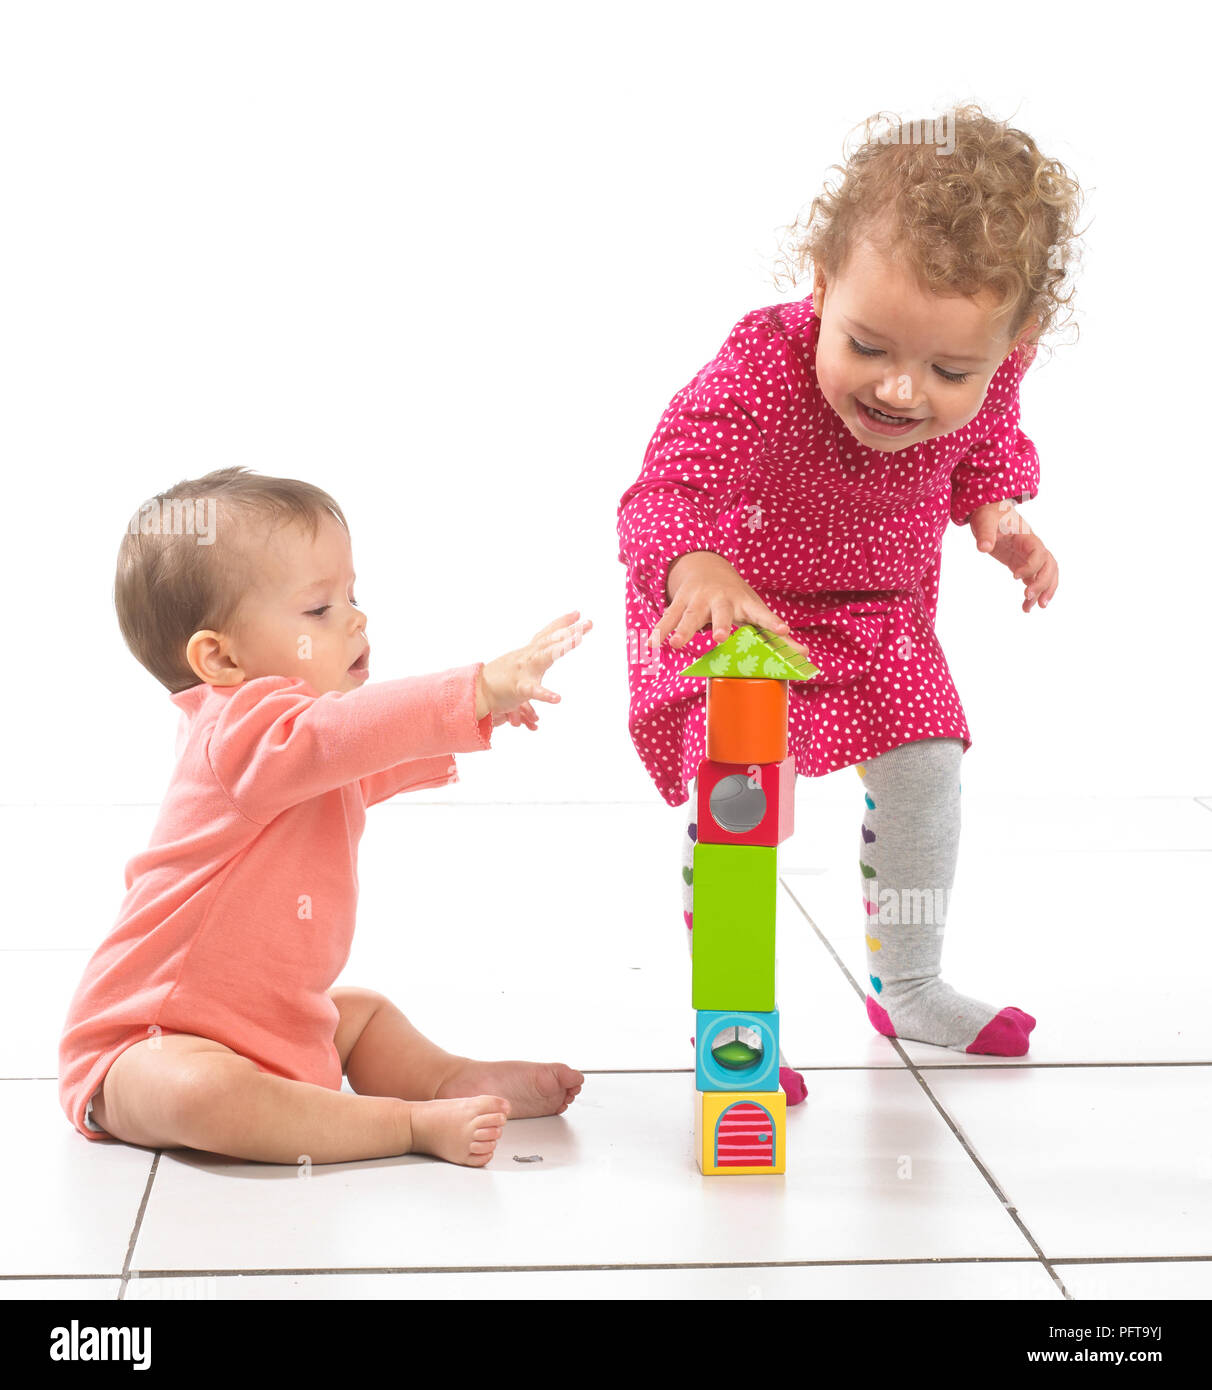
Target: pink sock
[(1005, 1035), (793, 1084)]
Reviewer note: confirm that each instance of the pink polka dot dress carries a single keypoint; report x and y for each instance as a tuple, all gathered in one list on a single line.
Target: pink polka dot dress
[(845, 542)]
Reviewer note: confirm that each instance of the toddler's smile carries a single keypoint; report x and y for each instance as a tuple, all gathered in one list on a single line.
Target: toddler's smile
[(887, 345)]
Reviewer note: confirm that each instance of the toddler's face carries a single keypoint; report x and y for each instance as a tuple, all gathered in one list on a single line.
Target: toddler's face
[(299, 619), (887, 344)]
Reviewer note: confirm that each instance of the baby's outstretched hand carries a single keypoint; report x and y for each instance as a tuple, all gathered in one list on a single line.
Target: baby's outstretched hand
[(1002, 532), (524, 714), (508, 684)]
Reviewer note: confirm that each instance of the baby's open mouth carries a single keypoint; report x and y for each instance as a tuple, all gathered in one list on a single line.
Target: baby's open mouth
[(363, 662)]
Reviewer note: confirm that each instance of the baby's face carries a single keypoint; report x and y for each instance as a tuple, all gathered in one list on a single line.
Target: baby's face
[(885, 343), (299, 619)]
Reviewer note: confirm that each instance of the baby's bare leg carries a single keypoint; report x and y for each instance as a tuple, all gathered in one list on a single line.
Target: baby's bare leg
[(384, 1055), (195, 1093), (381, 1053)]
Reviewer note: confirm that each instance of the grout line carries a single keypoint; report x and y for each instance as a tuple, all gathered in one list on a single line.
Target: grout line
[(134, 1235), (1010, 1210), (144, 1274), (1128, 1259), (523, 1269)]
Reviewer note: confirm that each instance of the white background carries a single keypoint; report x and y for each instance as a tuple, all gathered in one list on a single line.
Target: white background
[(451, 262)]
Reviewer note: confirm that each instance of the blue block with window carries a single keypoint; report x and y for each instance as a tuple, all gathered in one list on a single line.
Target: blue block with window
[(736, 1050)]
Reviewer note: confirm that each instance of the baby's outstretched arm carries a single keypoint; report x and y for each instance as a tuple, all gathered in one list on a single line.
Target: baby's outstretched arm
[(512, 680)]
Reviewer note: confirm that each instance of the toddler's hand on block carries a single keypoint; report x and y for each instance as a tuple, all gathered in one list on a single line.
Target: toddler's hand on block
[(704, 588), (507, 685)]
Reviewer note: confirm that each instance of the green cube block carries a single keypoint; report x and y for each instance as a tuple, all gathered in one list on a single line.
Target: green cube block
[(733, 943)]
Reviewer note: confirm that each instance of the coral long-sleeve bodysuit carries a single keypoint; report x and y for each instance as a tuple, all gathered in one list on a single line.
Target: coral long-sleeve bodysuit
[(749, 460), (239, 915)]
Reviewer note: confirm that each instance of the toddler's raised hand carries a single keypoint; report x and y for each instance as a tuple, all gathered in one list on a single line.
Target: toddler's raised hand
[(510, 682), (704, 587)]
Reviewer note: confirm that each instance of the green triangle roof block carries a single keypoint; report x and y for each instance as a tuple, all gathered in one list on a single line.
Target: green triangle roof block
[(754, 653)]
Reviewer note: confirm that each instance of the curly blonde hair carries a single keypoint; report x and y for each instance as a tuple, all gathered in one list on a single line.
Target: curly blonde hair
[(979, 208)]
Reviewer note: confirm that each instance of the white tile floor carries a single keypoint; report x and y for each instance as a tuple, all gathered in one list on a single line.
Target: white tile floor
[(554, 931)]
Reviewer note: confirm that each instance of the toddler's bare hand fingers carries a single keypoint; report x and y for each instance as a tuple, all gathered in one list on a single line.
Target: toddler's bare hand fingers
[(723, 619), (1046, 597), (1041, 583), (673, 621), (1029, 564), (665, 626), (695, 614), (761, 616)]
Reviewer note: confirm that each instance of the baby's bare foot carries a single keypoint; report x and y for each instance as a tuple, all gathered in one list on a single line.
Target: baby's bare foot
[(532, 1088), (462, 1130)]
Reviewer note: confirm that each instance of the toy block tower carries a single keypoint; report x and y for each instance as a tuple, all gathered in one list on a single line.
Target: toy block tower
[(746, 809)]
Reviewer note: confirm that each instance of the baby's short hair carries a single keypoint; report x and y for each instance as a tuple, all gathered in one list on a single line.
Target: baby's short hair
[(182, 567)]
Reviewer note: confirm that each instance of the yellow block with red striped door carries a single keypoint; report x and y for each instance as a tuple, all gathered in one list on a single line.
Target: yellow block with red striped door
[(738, 1132)]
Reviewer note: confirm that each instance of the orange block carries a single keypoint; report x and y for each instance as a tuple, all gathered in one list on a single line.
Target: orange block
[(746, 720)]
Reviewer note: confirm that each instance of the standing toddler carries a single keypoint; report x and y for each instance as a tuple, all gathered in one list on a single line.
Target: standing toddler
[(803, 480)]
